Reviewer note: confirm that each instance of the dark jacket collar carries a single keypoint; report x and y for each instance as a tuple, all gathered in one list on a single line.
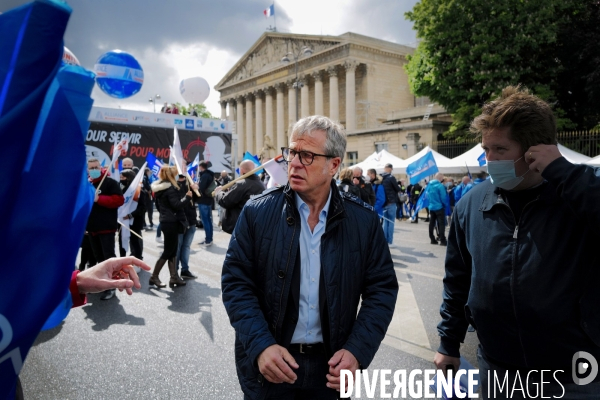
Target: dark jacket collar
[(493, 195)]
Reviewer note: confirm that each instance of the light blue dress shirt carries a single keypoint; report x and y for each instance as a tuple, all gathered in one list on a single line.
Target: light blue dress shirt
[(308, 328)]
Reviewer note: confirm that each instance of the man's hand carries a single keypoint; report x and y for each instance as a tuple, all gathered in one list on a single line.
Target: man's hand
[(342, 359), (114, 273), (540, 156), (442, 362), (274, 364), (195, 186), (189, 194)]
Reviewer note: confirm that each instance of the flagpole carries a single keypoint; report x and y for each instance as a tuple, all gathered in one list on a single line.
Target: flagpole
[(274, 18), (98, 188), (247, 174), (125, 226)]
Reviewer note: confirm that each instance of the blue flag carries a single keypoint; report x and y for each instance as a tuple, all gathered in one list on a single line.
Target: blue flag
[(254, 159), (422, 203), (154, 164), (44, 108), (482, 160), (422, 168)]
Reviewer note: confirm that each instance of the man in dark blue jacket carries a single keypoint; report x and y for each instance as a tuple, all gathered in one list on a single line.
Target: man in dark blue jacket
[(206, 201), (522, 265), (296, 270)]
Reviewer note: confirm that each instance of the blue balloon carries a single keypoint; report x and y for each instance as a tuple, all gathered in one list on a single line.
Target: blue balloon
[(119, 74)]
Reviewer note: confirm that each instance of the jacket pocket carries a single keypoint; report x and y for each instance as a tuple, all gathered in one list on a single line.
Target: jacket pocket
[(469, 316)]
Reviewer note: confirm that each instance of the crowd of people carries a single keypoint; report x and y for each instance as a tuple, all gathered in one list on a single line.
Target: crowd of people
[(296, 315)]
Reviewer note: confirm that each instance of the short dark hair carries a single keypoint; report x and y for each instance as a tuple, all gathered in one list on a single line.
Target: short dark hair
[(372, 171), (388, 165), (203, 164), (530, 120)]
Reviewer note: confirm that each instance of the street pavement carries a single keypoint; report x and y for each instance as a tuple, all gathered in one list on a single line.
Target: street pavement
[(178, 344)]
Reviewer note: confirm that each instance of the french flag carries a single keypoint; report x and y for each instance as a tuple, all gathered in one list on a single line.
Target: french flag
[(269, 11)]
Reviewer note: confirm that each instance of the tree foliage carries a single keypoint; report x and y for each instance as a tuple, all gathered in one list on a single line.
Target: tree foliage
[(471, 49), (200, 109)]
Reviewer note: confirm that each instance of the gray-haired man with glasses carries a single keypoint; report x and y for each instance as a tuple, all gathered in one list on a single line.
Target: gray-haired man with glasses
[(295, 271)]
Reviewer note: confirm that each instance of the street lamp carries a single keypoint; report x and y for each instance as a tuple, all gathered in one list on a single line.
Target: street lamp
[(307, 51), (153, 100)]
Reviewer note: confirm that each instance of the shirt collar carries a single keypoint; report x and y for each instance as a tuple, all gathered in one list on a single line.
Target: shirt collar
[(300, 205)]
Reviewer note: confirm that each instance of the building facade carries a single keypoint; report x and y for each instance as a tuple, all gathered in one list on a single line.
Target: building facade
[(357, 80)]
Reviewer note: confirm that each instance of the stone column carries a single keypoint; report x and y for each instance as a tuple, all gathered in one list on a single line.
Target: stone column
[(350, 66), (280, 142), (412, 141), (259, 133), (318, 77), (249, 124), (269, 115), (303, 82), (231, 117), (334, 94), (239, 127), (223, 109), (291, 101)]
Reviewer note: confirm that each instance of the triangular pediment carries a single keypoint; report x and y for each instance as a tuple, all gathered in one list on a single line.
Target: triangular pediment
[(267, 52)]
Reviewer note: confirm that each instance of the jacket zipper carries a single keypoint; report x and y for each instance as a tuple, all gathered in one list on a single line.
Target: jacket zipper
[(513, 265)]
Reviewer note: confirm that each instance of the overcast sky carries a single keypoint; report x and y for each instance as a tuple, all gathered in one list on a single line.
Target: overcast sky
[(178, 39)]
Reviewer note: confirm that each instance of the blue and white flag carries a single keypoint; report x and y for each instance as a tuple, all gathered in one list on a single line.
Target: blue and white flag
[(482, 160), (422, 168), (48, 104), (422, 203), (154, 164), (192, 169)]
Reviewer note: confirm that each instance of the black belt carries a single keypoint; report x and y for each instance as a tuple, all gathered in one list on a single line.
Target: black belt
[(309, 349)]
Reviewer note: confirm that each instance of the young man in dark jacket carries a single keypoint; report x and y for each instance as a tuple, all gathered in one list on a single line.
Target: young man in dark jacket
[(102, 222), (206, 201), (391, 188), (234, 199), (296, 270), (522, 265)]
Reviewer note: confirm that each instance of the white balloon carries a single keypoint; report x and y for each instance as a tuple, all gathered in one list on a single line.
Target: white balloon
[(194, 90)]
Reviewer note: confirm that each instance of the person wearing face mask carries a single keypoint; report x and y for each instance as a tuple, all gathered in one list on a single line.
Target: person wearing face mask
[(522, 265), (102, 223)]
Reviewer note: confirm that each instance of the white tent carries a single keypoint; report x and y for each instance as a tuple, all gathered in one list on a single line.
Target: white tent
[(468, 159), (594, 162), (377, 161), (572, 156)]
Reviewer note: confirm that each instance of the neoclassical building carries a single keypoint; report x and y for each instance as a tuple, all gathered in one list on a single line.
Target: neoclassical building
[(357, 80)]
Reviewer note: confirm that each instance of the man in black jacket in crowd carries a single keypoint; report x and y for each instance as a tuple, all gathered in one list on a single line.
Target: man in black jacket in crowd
[(102, 223), (366, 190), (234, 199), (391, 188), (205, 202)]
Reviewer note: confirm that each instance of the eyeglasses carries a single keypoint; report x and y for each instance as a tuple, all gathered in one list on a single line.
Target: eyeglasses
[(306, 157)]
